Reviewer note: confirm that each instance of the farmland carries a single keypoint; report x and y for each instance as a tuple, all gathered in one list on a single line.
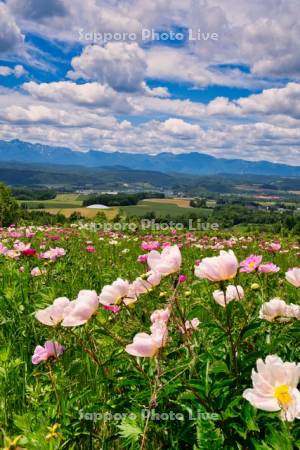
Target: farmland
[(163, 208), (67, 204)]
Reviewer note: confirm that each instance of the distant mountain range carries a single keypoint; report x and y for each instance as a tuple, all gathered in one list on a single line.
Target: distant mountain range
[(187, 163)]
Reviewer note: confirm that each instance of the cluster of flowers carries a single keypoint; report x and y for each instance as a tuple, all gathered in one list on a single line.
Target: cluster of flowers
[(160, 265), (274, 383)]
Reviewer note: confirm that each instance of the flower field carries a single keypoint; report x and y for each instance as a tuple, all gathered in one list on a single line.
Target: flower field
[(176, 340)]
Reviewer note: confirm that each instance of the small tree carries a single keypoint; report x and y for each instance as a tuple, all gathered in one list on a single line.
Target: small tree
[(9, 208)]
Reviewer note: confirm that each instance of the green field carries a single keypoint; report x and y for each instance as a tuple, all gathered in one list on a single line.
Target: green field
[(162, 210), (60, 201)]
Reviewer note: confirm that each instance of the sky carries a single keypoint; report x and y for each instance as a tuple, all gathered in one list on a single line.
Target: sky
[(220, 77)]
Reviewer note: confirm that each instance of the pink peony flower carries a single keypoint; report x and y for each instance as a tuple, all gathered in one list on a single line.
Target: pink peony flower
[(268, 268), (277, 310), (3, 249), (182, 278), (28, 252), (79, 311), (90, 249), (251, 263), (166, 262), (142, 259), (54, 238), (53, 253), (151, 245), (113, 308), (293, 276), (37, 272), (160, 314), (70, 313), (50, 350), (275, 387), (218, 268), (273, 247), (232, 293), (116, 293), (145, 345), (190, 325), (53, 314)]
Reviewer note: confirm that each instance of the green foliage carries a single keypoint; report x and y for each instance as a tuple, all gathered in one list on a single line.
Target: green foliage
[(119, 199), (9, 209)]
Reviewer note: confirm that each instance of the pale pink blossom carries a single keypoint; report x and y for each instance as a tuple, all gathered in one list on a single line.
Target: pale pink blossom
[(147, 345), (37, 272), (3, 249), (293, 276), (166, 262), (268, 268), (53, 314), (232, 293), (218, 268), (275, 387), (274, 247), (50, 350), (82, 309), (190, 325), (53, 253), (160, 314), (278, 310), (116, 293)]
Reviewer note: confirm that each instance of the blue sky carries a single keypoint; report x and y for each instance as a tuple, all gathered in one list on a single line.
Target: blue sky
[(214, 76)]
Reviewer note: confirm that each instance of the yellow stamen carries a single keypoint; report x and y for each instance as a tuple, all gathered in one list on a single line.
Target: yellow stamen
[(282, 394), (118, 300)]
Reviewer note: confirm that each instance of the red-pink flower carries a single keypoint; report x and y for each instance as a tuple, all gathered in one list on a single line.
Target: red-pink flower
[(182, 278), (28, 251), (90, 249), (151, 245), (113, 308), (142, 258)]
